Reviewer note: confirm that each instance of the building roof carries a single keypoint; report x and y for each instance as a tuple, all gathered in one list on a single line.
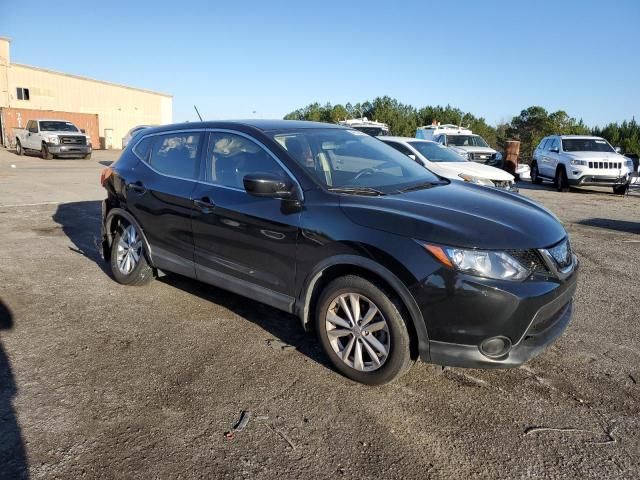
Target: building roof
[(80, 77)]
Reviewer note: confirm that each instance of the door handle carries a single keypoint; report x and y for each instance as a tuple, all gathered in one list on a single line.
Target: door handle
[(204, 204), (137, 187)]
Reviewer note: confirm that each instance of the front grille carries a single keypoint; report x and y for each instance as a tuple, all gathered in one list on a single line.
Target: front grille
[(480, 157), (606, 165), (529, 259), (72, 140)]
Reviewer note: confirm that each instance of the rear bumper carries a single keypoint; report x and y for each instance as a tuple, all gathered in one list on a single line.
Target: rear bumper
[(69, 150)]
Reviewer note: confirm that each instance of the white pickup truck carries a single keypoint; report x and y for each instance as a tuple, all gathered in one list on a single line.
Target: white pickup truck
[(53, 138)]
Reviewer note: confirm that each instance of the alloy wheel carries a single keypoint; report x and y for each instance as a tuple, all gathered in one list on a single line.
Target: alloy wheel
[(358, 332), (129, 250)]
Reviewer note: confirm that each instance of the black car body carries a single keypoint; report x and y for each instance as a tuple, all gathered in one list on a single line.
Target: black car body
[(284, 248)]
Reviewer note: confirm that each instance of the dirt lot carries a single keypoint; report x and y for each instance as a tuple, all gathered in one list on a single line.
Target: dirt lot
[(101, 380)]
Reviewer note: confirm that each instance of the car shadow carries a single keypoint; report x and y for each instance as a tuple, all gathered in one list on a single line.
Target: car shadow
[(286, 329), (80, 222), (611, 224), (13, 458)]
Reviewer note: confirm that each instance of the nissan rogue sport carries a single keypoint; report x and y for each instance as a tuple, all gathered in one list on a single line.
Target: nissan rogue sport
[(386, 261)]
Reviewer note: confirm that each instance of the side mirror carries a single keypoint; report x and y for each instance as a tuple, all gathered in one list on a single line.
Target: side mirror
[(554, 149), (82, 130), (618, 149), (267, 185)]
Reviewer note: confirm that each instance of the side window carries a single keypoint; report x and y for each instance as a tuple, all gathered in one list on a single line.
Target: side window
[(143, 147), (231, 157), (554, 144), (543, 143), (176, 154), (33, 126), (401, 148)]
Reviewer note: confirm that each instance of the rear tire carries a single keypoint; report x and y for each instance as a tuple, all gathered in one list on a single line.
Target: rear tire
[(128, 261), (19, 150), (621, 189), (562, 183), (535, 174), (46, 154), (375, 348)]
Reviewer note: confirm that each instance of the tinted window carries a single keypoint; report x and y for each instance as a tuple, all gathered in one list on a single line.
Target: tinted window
[(55, 126), (232, 156), (543, 144), (348, 158), (176, 154), (466, 141), (142, 148), (554, 144)]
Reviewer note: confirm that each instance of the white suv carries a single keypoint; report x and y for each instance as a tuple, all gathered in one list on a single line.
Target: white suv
[(580, 161)]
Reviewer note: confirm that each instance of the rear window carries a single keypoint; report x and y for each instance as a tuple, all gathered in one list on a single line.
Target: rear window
[(143, 147)]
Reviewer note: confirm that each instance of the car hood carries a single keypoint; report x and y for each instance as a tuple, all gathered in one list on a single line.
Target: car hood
[(56, 132), (459, 214), (454, 169)]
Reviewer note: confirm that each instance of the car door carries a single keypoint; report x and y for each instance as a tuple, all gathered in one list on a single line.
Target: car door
[(31, 136), (244, 243), (550, 158), (159, 195)]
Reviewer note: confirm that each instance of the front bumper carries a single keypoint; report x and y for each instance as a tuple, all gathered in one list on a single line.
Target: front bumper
[(461, 312), (597, 179), (69, 150)]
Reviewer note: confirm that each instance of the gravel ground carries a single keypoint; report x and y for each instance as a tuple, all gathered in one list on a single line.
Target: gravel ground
[(98, 380)]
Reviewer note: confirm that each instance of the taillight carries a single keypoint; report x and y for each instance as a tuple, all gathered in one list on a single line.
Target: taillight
[(105, 174)]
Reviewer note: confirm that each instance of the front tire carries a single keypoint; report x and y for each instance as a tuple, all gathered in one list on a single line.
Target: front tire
[(620, 189), (128, 261), (535, 174), (362, 331), (46, 154), (87, 156), (19, 150), (562, 183)]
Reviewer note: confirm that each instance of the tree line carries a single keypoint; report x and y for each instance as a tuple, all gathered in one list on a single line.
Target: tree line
[(529, 127)]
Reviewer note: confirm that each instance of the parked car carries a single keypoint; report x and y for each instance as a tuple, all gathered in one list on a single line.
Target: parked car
[(385, 260), (447, 163), (131, 133), (577, 160), (463, 141), (53, 138)]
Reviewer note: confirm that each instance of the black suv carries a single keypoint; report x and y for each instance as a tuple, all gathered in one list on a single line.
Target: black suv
[(387, 261)]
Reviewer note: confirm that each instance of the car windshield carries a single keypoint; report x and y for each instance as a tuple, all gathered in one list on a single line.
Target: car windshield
[(466, 141), (434, 152), (345, 158), (373, 131), (54, 126), (586, 145)]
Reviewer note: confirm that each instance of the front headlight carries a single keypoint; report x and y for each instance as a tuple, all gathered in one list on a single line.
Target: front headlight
[(53, 139), (629, 164), (477, 180), (582, 163), (88, 140), (498, 156), (488, 264)]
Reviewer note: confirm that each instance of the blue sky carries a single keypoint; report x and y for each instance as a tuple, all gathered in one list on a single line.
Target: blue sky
[(490, 58)]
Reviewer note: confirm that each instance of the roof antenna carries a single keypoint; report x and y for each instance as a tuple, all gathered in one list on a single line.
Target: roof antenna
[(199, 116)]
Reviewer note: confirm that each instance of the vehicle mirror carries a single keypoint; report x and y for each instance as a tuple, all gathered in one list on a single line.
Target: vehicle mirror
[(267, 185), (618, 150), (82, 130), (554, 149)]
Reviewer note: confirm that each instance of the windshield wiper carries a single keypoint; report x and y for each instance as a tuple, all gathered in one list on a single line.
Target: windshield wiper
[(357, 190), (420, 186)]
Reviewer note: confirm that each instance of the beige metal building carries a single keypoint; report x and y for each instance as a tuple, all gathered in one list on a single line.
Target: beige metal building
[(105, 110)]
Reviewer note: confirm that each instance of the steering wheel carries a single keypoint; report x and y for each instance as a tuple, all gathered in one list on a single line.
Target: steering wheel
[(370, 171)]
